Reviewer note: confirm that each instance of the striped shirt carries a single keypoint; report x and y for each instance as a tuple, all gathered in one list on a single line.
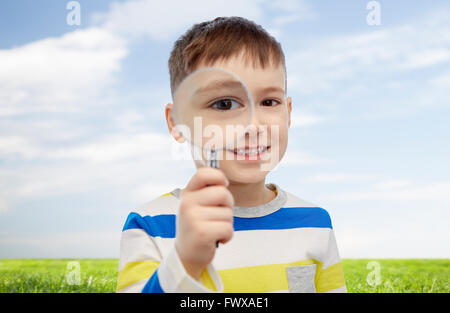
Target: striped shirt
[(285, 245)]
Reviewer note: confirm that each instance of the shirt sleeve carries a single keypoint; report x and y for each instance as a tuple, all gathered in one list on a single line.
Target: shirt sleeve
[(331, 274), (142, 268)]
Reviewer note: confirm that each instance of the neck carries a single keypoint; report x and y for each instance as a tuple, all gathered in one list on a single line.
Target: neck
[(247, 195)]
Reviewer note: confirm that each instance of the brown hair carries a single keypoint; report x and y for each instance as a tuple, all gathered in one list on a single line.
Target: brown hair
[(220, 39)]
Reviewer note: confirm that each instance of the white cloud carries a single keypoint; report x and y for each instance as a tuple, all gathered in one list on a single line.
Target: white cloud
[(394, 218), (163, 20), (303, 119), (406, 192), (441, 81), (334, 63), (107, 148), (133, 165), (113, 148), (129, 118), (339, 177), (293, 157), (104, 148), (293, 11), (403, 241), (86, 244), (392, 184), (130, 161), (17, 146), (426, 57), (59, 74), (148, 191), (3, 206)]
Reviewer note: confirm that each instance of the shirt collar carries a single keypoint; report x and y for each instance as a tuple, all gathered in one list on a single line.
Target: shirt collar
[(258, 210)]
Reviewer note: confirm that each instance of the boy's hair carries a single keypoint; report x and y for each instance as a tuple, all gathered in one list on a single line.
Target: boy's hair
[(220, 39)]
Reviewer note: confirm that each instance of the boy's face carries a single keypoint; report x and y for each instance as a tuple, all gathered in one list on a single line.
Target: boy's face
[(268, 130)]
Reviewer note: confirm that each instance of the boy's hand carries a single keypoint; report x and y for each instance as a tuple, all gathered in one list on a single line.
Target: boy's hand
[(205, 216)]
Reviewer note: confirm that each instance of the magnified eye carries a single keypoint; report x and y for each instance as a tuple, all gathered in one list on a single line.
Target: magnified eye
[(226, 104)]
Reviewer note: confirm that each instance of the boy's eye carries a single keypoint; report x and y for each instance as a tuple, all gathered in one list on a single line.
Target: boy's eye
[(270, 102), (226, 104)]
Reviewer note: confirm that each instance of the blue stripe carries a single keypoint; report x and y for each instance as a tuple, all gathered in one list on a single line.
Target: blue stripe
[(156, 226), (285, 218), (153, 285)]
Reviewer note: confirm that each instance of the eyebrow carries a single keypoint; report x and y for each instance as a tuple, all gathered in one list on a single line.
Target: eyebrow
[(272, 89), (219, 84), (233, 84)]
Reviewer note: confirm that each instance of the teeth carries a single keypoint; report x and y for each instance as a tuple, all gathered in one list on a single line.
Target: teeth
[(252, 151)]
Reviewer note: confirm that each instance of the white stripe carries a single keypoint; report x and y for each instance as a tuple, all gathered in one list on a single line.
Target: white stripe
[(174, 278), (137, 245), (254, 247), (258, 247), (158, 206), (332, 254), (342, 289), (294, 201), (136, 287)]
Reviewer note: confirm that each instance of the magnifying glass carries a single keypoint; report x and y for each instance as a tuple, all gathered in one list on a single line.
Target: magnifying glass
[(212, 109)]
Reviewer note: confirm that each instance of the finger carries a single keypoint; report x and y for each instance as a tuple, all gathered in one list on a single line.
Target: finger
[(221, 231), (206, 176), (214, 196), (217, 214)]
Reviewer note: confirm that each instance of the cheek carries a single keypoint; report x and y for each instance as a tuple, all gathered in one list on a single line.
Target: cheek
[(282, 144), (279, 135)]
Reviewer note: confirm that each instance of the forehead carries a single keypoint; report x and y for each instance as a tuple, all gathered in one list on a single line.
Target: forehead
[(254, 76)]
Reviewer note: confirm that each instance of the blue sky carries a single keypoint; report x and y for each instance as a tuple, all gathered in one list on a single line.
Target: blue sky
[(83, 138)]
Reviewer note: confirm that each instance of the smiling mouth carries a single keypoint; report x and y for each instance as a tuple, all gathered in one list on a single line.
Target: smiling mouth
[(249, 152)]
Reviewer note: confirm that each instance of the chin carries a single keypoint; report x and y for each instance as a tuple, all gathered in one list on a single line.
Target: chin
[(247, 177), (243, 173)]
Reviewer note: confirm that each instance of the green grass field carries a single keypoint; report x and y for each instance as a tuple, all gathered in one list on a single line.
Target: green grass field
[(100, 275)]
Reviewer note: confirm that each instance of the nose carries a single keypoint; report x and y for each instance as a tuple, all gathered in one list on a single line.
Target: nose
[(255, 129)]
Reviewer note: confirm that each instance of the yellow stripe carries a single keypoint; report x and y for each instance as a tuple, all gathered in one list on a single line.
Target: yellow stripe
[(166, 194), (273, 277), (260, 278), (133, 272), (331, 278), (207, 280)]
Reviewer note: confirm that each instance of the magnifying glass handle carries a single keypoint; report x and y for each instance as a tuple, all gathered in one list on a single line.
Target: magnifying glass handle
[(212, 162)]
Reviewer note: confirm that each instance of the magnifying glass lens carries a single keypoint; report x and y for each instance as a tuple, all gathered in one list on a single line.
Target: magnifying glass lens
[(212, 109)]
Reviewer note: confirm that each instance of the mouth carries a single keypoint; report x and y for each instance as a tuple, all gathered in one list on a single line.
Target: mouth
[(250, 153)]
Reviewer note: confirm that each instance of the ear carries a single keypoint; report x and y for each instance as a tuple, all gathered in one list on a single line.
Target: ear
[(289, 103), (171, 125)]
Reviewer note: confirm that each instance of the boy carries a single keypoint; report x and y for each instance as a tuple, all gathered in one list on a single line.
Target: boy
[(272, 241)]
